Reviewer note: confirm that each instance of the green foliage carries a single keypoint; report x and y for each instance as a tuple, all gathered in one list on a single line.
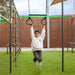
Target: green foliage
[(5, 8)]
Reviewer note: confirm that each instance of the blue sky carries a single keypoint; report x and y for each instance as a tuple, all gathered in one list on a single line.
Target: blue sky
[(39, 6)]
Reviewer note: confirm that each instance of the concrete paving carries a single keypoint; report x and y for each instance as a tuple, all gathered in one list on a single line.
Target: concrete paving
[(4, 49)]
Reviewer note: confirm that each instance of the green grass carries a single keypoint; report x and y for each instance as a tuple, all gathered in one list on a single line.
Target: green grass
[(52, 64)]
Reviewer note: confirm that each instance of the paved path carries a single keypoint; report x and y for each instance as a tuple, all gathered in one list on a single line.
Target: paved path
[(4, 49)]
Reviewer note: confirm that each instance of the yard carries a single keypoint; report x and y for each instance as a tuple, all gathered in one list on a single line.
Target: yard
[(52, 64)]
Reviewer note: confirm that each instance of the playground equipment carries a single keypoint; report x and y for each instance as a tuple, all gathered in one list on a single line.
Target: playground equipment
[(36, 15), (62, 30), (13, 36), (54, 16), (4, 19), (54, 2), (72, 42), (11, 1), (10, 22), (16, 35)]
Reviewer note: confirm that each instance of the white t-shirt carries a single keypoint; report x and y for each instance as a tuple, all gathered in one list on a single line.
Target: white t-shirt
[(37, 43)]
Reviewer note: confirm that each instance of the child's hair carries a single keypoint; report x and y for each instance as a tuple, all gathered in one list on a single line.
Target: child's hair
[(36, 31)]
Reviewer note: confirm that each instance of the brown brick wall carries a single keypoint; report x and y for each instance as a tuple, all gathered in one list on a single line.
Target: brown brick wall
[(5, 33), (55, 32)]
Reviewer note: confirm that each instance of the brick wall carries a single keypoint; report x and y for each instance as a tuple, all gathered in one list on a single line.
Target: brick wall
[(55, 32), (5, 33)]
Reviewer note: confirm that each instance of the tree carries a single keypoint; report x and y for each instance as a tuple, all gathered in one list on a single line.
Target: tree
[(5, 8)]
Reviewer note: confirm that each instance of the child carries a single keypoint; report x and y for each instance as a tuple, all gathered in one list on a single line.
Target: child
[(37, 44)]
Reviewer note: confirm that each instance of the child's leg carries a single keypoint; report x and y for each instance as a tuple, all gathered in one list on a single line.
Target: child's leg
[(40, 56), (36, 55)]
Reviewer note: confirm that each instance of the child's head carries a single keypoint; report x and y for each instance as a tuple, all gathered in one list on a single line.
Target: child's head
[(37, 33)]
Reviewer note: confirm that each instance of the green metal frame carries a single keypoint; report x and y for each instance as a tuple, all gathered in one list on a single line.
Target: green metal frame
[(5, 19), (2, 20)]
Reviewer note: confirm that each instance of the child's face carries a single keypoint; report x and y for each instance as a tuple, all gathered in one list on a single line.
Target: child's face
[(37, 34)]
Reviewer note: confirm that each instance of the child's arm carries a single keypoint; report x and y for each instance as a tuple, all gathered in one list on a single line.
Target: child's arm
[(32, 31), (43, 32)]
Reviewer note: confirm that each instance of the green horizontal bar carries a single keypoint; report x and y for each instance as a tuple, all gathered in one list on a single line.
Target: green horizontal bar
[(32, 16), (2, 20), (5, 19), (58, 16), (53, 16)]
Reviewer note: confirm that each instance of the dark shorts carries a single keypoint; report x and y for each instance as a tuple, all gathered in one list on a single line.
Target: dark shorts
[(37, 55)]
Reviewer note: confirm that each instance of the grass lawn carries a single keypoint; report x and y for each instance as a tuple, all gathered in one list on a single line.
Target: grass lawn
[(52, 62)]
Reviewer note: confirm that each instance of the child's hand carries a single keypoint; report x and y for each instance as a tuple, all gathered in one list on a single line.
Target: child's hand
[(31, 25)]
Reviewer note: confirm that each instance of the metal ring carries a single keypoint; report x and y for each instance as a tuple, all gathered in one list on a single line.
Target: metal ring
[(43, 20), (29, 18)]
